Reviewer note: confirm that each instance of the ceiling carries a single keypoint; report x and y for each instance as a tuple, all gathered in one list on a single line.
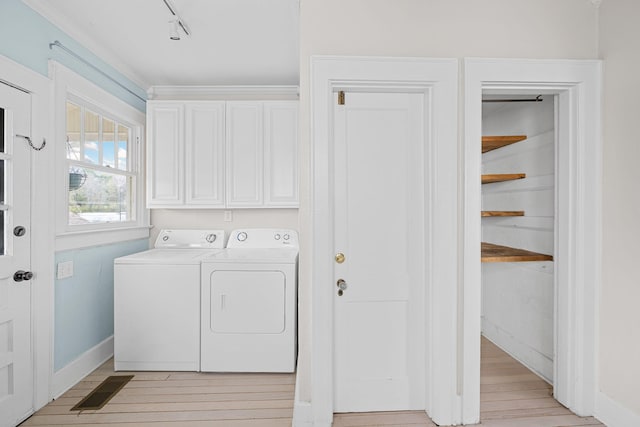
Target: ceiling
[(232, 42)]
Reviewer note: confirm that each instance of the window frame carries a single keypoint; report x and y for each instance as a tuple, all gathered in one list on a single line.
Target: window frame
[(70, 87)]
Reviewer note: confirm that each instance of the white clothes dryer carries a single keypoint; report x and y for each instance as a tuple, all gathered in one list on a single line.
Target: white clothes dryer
[(249, 303), (157, 302)]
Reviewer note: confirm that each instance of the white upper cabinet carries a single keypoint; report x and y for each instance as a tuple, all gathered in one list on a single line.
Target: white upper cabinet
[(204, 154), (244, 154), (281, 154), (217, 154), (165, 130)]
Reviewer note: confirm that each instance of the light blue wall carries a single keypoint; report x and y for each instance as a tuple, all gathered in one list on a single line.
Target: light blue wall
[(25, 36), (84, 303)]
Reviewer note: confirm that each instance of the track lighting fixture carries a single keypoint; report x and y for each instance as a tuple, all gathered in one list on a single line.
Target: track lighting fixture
[(176, 23), (173, 30)]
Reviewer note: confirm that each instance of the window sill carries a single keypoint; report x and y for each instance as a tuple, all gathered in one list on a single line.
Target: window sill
[(87, 238)]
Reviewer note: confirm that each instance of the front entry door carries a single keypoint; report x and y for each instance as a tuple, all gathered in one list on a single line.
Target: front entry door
[(380, 246), (16, 362)]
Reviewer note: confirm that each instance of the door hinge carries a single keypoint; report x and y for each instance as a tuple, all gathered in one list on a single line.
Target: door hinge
[(341, 97)]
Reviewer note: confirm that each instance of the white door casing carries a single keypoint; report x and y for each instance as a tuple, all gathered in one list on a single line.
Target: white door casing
[(16, 356), (577, 219), (437, 80), (379, 227)]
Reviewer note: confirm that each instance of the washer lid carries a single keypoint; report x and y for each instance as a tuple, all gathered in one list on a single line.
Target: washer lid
[(191, 239), (167, 256), (254, 256)]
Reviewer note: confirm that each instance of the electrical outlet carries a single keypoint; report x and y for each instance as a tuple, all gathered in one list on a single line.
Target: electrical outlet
[(65, 270)]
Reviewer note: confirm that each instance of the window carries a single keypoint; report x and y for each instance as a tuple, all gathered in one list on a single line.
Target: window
[(99, 140), (102, 177)]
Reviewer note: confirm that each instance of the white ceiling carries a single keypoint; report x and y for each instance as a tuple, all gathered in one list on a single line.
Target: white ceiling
[(233, 42)]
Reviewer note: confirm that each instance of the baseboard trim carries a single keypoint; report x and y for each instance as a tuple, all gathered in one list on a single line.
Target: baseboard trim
[(86, 363), (613, 414), (302, 413)]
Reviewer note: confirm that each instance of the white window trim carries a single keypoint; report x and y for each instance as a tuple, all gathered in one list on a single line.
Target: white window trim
[(68, 85)]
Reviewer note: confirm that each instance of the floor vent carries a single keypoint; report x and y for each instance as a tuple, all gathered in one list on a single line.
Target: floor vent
[(103, 393)]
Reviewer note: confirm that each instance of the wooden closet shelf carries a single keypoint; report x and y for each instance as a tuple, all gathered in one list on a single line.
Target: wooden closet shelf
[(492, 142), (502, 213), (501, 177), (497, 253)]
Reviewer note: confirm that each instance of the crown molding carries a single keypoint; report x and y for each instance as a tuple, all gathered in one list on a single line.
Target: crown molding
[(223, 92)]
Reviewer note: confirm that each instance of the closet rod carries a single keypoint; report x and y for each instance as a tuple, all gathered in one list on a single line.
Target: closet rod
[(536, 99), (56, 43)]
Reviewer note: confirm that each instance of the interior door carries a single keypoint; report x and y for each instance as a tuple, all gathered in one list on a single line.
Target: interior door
[(16, 367), (379, 320)]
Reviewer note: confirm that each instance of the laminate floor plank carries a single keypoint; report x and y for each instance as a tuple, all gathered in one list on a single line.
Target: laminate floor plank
[(511, 396), (405, 418)]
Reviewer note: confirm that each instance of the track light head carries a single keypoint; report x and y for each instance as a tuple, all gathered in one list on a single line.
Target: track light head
[(173, 30)]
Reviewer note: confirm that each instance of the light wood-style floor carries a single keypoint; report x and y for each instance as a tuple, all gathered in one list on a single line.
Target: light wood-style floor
[(511, 396)]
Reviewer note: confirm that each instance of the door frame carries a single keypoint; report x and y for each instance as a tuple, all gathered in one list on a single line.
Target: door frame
[(41, 227), (438, 79), (578, 216)]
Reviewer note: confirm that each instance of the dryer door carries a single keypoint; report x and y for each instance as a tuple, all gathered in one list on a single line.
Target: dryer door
[(247, 302)]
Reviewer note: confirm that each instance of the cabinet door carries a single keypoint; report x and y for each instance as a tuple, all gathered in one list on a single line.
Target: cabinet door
[(244, 154), (204, 165), (281, 153), (165, 130)]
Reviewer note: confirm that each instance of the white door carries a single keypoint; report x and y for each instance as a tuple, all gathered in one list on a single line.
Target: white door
[(16, 367), (379, 324)]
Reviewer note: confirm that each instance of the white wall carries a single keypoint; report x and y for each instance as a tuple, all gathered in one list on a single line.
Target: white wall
[(620, 293), (428, 28), (517, 298)]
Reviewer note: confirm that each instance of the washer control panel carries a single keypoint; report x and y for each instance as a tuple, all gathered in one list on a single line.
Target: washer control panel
[(191, 239), (257, 238)]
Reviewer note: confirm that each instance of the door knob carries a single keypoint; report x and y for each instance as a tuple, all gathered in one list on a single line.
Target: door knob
[(341, 284), (21, 275)]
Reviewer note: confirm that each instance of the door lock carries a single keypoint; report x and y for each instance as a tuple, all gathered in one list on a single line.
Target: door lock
[(19, 231), (342, 285), (21, 275), (339, 257)]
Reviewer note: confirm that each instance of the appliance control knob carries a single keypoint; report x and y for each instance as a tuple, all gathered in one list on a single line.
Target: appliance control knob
[(242, 236), (277, 237), (165, 238), (286, 237), (211, 237)]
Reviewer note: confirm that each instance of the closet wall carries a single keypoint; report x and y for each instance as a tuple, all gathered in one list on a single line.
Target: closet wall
[(518, 298)]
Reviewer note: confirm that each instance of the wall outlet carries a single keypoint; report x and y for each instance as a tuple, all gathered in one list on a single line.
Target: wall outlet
[(65, 270), (228, 216)]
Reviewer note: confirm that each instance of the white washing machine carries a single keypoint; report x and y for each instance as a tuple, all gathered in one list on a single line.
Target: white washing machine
[(249, 303), (157, 302)]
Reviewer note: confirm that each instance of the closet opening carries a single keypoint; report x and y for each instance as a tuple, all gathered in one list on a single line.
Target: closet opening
[(518, 229)]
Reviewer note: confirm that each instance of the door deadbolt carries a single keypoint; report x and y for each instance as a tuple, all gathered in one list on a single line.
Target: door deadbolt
[(21, 275), (339, 257), (19, 231)]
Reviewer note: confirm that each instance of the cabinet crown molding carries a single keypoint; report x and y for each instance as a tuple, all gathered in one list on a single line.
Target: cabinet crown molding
[(215, 93)]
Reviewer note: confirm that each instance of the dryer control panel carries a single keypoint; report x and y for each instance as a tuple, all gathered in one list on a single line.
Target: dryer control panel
[(263, 238)]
